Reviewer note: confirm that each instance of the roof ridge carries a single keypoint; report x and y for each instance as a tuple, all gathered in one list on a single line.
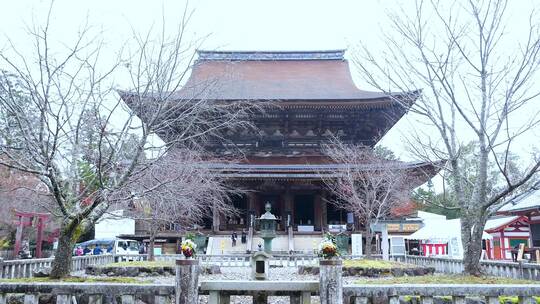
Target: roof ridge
[(271, 55)]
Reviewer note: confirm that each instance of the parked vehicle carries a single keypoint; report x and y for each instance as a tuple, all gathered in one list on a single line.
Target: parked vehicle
[(109, 246)]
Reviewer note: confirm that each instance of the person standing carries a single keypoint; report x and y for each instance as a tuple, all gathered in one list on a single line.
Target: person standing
[(97, 250), (233, 239), (141, 248), (244, 237)]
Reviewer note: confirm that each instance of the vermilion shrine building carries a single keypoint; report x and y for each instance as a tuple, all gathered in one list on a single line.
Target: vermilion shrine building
[(507, 232), (315, 99)]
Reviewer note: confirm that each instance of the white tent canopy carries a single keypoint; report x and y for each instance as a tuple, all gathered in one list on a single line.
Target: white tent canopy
[(441, 230)]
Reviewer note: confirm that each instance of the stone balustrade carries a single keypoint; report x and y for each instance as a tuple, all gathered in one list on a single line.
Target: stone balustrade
[(25, 268), (298, 291), (236, 260), (506, 269), (329, 288), (362, 294), (219, 292), (96, 293), (14, 269)]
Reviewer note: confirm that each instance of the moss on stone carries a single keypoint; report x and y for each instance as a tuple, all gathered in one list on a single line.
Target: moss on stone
[(124, 280), (443, 279), (372, 263), (145, 264)]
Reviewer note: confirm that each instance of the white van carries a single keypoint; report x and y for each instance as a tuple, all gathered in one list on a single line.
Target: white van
[(111, 246)]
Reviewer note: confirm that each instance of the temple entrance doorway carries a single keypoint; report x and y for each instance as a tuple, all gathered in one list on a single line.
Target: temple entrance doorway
[(335, 215), (304, 212), (240, 219)]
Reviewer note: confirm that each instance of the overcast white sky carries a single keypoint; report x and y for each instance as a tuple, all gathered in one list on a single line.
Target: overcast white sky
[(231, 24)]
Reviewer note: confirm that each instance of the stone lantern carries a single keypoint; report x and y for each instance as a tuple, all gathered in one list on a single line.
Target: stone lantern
[(267, 224)]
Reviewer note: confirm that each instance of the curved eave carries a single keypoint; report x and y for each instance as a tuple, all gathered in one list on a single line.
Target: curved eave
[(521, 211), (420, 172), (403, 100), (503, 226)]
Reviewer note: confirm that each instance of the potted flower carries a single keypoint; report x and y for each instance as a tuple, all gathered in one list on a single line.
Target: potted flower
[(188, 248), (328, 249)]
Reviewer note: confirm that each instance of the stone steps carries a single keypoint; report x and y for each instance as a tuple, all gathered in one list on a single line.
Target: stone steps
[(302, 244), (223, 245)]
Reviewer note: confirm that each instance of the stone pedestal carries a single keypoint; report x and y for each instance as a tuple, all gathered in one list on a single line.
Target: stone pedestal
[(330, 282), (187, 282), (260, 265)]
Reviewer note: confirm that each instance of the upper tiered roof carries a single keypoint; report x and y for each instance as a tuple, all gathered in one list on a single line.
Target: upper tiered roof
[(278, 75)]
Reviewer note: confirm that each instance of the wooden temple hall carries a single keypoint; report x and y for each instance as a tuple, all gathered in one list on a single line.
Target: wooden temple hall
[(316, 99)]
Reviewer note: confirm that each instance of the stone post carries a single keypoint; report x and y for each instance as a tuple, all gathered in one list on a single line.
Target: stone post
[(384, 244), (1, 268), (330, 282), (187, 282)]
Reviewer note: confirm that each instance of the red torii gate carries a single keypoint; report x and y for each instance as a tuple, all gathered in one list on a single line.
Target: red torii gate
[(21, 222)]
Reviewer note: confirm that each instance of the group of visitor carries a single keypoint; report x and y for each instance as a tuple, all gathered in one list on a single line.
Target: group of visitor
[(97, 250), (234, 236)]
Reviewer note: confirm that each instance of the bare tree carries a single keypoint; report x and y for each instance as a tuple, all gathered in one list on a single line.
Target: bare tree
[(367, 185), (180, 190), (67, 83), (480, 83)]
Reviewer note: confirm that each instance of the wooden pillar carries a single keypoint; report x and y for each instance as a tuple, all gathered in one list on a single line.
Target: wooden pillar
[(39, 239), (18, 236), (324, 212), (215, 219), (187, 282), (288, 206), (330, 282), (253, 203), (317, 211), (252, 198)]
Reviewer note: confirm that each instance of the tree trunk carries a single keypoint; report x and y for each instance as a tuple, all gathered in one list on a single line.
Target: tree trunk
[(61, 265), (151, 243), (472, 227)]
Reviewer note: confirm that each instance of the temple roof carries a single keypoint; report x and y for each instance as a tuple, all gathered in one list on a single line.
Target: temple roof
[(422, 171), (500, 223), (279, 75), (524, 202)]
